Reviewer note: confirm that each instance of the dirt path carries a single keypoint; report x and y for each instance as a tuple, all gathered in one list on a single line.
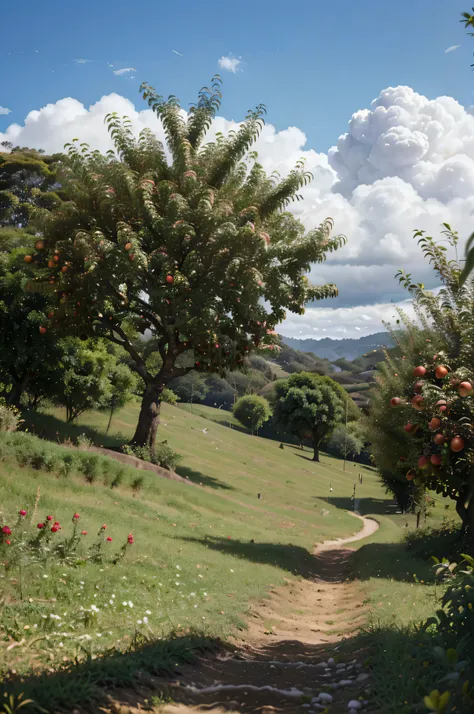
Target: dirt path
[(284, 661)]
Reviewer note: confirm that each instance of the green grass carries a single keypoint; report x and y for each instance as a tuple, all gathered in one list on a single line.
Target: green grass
[(218, 416), (201, 554)]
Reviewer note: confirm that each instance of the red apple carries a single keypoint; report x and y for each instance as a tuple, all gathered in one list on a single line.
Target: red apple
[(28, 258), (39, 245), (410, 476), (418, 403), (64, 269), (457, 444), (441, 371), (439, 439), (131, 256), (464, 389), (51, 264), (169, 279), (419, 371), (434, 424), (42, 330), (408, 428), (127, 246), (395, 401), (418, 386), (435, 459), (50, 315), (423, 462), (56, 258)]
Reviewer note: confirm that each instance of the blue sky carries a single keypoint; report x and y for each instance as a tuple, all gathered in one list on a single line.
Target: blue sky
[(406, 164), (312, 62)]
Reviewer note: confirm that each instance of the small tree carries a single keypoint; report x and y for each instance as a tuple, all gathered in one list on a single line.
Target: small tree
[(252, 411), (422, 410), (198, 251), (83, 380), (309, 406), (122, 383), (346, 441)]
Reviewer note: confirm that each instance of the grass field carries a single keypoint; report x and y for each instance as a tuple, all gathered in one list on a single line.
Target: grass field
[(200, 554)]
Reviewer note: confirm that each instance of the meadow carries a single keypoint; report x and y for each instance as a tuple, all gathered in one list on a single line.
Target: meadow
[(246, 522)]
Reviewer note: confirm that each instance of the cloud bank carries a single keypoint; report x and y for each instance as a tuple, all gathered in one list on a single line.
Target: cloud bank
[(405, 163)]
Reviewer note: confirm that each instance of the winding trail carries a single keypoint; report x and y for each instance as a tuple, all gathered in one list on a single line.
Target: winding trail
[(285, 652)]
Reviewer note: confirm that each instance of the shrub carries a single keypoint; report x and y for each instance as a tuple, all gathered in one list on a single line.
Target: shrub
[(163, 455), (90, 465), (118, 477), (252, 411), (9, 417), (137, 483)]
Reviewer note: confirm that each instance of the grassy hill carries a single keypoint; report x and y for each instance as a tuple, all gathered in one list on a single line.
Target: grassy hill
[(202, 551)]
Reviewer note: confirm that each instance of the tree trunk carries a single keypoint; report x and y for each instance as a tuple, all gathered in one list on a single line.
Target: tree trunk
[(316, 443), (465, 510), (110, 420), (145, 433), (16, 392)]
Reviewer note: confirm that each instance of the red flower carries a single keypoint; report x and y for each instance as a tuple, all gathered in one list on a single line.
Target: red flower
[(104, 527), (57, 523), (130, 538), (6, 530), (76, 516), (83, 532), (49, 518), (22, 512), (8, 542), (109, 539), (55, 529), (40, 525)]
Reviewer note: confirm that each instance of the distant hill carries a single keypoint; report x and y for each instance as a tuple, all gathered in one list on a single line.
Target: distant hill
[(334, 350)]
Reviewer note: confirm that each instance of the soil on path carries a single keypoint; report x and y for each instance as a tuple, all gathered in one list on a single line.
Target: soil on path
[(284, 659)]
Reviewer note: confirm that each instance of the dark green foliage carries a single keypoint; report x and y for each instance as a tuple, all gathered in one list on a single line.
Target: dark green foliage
[(28, 450), (163, 455), (27, 179), (309, 406), (252, 411)]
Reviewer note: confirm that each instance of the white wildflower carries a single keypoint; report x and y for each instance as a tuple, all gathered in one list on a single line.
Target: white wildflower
[(148, 612), (130, 603), (145, 620)]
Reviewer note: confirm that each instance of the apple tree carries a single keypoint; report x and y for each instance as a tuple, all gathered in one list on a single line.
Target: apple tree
[(189, 243), (422, 418)]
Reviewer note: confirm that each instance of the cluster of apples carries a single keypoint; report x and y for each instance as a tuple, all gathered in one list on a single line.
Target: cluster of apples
[(457, 443)]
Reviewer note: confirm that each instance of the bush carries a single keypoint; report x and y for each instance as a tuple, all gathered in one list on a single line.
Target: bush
[(28, 450), (9, 417), (163, 455), (252, 411)]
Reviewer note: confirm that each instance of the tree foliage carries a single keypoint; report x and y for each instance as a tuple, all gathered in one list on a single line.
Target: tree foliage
[(426, 435), (198, 250), (27, 180), (252, 411), (309, 406)]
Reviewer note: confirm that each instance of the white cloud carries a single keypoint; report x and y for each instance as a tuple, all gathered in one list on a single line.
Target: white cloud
[(4, 110), (405, 163), (229, 63), (124, 71), (339, 323), (82, 61), (451, 49)]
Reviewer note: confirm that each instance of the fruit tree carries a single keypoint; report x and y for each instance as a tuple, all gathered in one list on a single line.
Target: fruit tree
[(188, 244)]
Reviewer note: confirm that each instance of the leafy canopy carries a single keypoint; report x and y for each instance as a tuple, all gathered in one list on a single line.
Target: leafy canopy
[(252, 411), (309, 405), (188, 248), (414, 439)]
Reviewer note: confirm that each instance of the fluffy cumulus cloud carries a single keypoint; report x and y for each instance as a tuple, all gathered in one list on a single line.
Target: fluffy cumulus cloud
[(4, 110), (405, 163)]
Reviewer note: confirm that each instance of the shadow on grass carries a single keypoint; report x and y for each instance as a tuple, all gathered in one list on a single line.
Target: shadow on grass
[(391, 561), (396, 659), (292, 558), (90, 685), (202, 479), (49, 427), (373, 506)]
